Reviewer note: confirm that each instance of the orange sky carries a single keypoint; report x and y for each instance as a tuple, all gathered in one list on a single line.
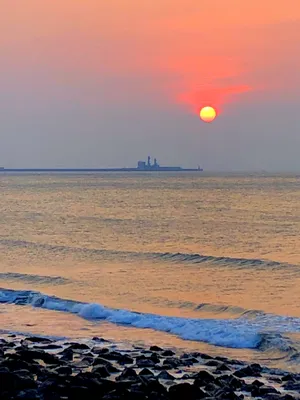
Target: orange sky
[(67, 66), (193, 52)]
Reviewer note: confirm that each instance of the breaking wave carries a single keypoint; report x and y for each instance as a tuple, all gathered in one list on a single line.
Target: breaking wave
[(234, 333)]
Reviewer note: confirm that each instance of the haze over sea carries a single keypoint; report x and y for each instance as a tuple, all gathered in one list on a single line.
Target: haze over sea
[(190, 260)]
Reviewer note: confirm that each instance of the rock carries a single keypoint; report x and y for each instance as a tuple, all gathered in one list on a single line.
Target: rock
[(64, 370), (10, 345), (96, 385), (66, 355), (288, 377), (78, 393), (100, 350), (156, 348), (295, 386), (13, 382), (230, 381), (35, 339), (100, 340), (30, 355), (186, 391), (105, 363), (286, 397), (222, 368), (203, 378), (222, 359), (165, 375), (172, 362), (111, 355), (30, 394), (211, 388), (202, 355), (146, 372), (250, 370), (263, 390), (127, 374), (213, 363), (102, 371), (155, 358), (78, 346), (168, 353), (153, 385), (227, 394), (144, 362), (24, 372), (15, 364), (157, 396), (48, 347), (100, 361), (85, 362), (125, 360), (257, 383)]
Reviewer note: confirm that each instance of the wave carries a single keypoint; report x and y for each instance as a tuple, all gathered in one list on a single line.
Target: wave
[(227, 309), (13, 276), (185, 258), (234, 333)]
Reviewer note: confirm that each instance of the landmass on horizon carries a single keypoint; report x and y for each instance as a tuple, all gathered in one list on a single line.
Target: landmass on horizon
[(142, 166)]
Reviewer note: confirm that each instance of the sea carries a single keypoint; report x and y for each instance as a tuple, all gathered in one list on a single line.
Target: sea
[(193, 261)]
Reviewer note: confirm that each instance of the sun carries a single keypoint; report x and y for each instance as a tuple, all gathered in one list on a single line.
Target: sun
[(208, 114)]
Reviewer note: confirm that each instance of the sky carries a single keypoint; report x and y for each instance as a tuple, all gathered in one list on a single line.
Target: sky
[(89, 83)]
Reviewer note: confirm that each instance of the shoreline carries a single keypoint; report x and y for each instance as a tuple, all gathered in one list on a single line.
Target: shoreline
[(40, 368)]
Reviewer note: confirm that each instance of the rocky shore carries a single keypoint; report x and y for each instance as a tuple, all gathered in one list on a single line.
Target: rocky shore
[(35, 368)]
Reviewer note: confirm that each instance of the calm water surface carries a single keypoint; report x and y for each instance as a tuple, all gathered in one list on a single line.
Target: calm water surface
[(189, 260)]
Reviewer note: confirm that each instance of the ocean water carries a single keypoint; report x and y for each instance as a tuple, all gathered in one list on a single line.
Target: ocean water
[(189, 260)]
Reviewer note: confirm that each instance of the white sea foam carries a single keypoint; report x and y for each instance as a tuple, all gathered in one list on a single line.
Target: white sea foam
[(234, 333)]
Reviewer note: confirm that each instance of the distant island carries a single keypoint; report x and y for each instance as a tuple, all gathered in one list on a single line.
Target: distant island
[(142, 166)]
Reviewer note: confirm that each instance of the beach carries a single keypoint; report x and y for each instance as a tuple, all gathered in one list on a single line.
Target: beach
[(40, 368)]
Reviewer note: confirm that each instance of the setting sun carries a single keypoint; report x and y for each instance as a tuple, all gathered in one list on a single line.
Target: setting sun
[(208, 114)]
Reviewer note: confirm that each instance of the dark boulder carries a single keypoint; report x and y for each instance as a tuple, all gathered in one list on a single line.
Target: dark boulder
[(295, 386), (213, 363), (172, 362), (35, 339), (78, 346), (101, 371), (186, 391), (12, 382), (222, 368), (30, 355), (227, 394), (78, 393), (250, 370), (230, 381), (125, 360), (111, 355), (15, 364), (203, 378), (144, 362), (146, 372), (66, 355), (156, 348), (263, 390), (64, 370), (168, 353), (165, 375), (100, 340), (127, 374), (48, 347)]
